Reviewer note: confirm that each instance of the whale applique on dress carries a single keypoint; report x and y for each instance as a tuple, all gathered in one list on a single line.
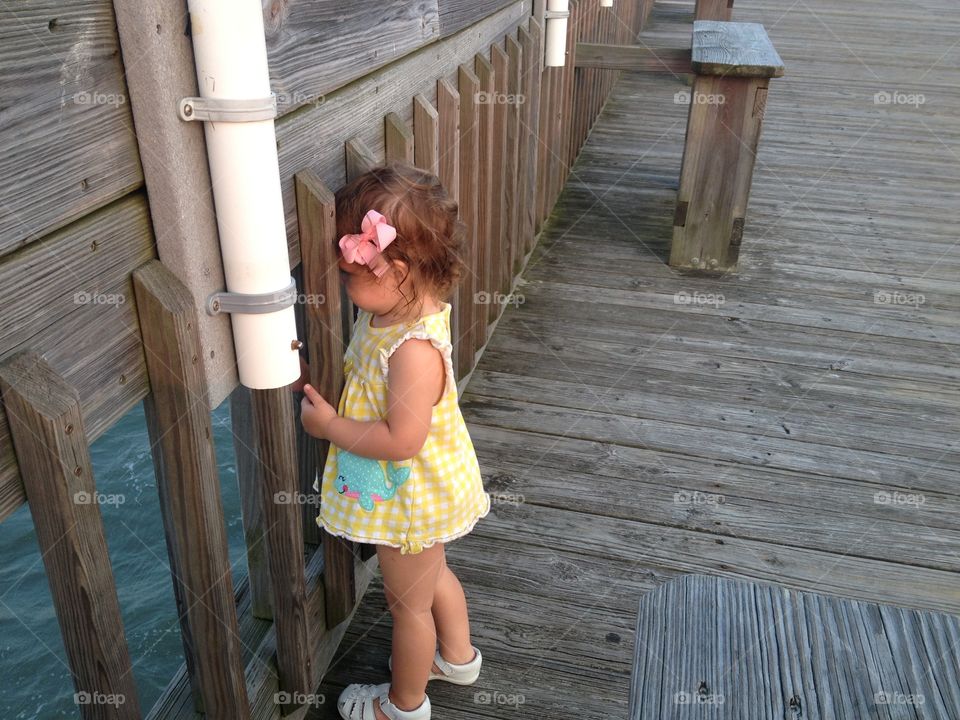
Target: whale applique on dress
[(364, 479)]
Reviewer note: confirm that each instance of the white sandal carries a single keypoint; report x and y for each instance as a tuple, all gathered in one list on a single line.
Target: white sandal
[(356, 703), (463, 674)]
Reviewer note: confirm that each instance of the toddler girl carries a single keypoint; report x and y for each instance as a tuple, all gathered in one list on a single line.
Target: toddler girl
[(402, 472)]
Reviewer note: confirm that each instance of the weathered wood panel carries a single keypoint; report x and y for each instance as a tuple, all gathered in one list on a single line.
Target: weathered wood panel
[(426, 131), (455, 15), (70, 296), (67, 142), (397, 139), (470, 195), (745, 650), (54, 455), (489, 159)]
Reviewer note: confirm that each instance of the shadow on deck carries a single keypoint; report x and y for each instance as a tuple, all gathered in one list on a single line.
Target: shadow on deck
[(794, 423)]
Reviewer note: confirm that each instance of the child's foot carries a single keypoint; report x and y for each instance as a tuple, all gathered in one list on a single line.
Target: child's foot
[(465, 673), (358, 701)]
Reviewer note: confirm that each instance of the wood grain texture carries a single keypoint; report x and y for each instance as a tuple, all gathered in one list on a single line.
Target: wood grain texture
[(633, 57), (70, 296), (426, 131), (316, 208), (489, 194), (713, 10), (397, 139), (67, 142), (448, 113), (498, 252), (510, 261), (54, 458), (470, 193), (742, 649), (178, 421), (734, 49)]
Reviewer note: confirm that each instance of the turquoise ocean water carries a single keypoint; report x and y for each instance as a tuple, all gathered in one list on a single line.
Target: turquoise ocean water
[(36, 677)]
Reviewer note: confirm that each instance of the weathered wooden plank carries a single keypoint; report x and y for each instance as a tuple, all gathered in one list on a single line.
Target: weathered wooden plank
[(750, 650), (633, 57), (81, 316), (283, 534), (532, 54), (67, 144), (251, 501), (490, 188), (316, 207), (713, 10), (512, 185), (448, 112), (358, 159), (733, 49), (470, 194), (426, 129), (314, 48), (499, 227), (397, 139), (54, 457), (178, 420), (455, 15)]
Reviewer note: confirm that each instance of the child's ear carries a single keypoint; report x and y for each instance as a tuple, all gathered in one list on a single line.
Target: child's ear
[(399, 268)]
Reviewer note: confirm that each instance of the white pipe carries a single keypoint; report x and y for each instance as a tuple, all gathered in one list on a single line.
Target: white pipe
[(606, 3), (231, 58), (556, 34)]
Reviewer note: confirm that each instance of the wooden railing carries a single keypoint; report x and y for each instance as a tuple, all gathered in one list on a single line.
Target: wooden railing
[(501, 137)]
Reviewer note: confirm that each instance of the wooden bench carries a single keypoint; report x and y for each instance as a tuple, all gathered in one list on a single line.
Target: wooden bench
[(709, 647), (732, 63)]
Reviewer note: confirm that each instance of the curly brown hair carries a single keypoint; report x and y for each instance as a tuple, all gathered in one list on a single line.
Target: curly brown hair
[(430, 235)]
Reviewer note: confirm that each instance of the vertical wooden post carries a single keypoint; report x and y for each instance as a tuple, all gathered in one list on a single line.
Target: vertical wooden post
[(500, 227), (426, 140), (283, 530), (359, 159), (512, 185), (251, 505), (469, 86), (713, 10), (316, 212), (178, 420), (533, 57), (46, 426), (397, 139), (488, 219), (448, 132), (733, 63)]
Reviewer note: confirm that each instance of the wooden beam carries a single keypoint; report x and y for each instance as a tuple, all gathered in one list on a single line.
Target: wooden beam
[(504, 171), (46, 425), (426, 144), (633, 57), (530, 46), (316, 209), (178, 422), (490, 157)]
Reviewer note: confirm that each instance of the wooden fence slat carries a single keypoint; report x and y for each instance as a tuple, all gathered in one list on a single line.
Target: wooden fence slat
[(426, 148), (283, 531), (359, 159), (488, 217), (498, 227), (179, 425), (530, 45), (448, 113), (46, 425), (397, 138), (512, 168), (469, 86), (251, 505), (316, 209)]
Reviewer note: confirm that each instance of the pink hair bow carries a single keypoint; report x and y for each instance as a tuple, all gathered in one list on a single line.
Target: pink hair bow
[(365, 248)]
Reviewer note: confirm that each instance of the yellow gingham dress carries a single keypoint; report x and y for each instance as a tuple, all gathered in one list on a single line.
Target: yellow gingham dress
[(435, 496)]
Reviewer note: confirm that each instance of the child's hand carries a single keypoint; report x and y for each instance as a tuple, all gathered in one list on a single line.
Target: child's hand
[(297, 385), (315, 412)]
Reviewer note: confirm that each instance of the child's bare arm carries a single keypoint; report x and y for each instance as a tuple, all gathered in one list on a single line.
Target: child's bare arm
[(415, 382)]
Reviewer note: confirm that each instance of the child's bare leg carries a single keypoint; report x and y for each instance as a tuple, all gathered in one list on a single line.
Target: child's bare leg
[(451, 619), (409, 582)]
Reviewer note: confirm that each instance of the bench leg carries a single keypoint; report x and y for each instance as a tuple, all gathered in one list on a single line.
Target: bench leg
[(723, 132)]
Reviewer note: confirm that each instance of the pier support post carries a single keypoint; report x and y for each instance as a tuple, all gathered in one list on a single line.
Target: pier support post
[(733, 63), (46, 425)]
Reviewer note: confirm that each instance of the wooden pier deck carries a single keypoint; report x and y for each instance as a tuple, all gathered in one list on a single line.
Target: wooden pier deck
[(794, 423)]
